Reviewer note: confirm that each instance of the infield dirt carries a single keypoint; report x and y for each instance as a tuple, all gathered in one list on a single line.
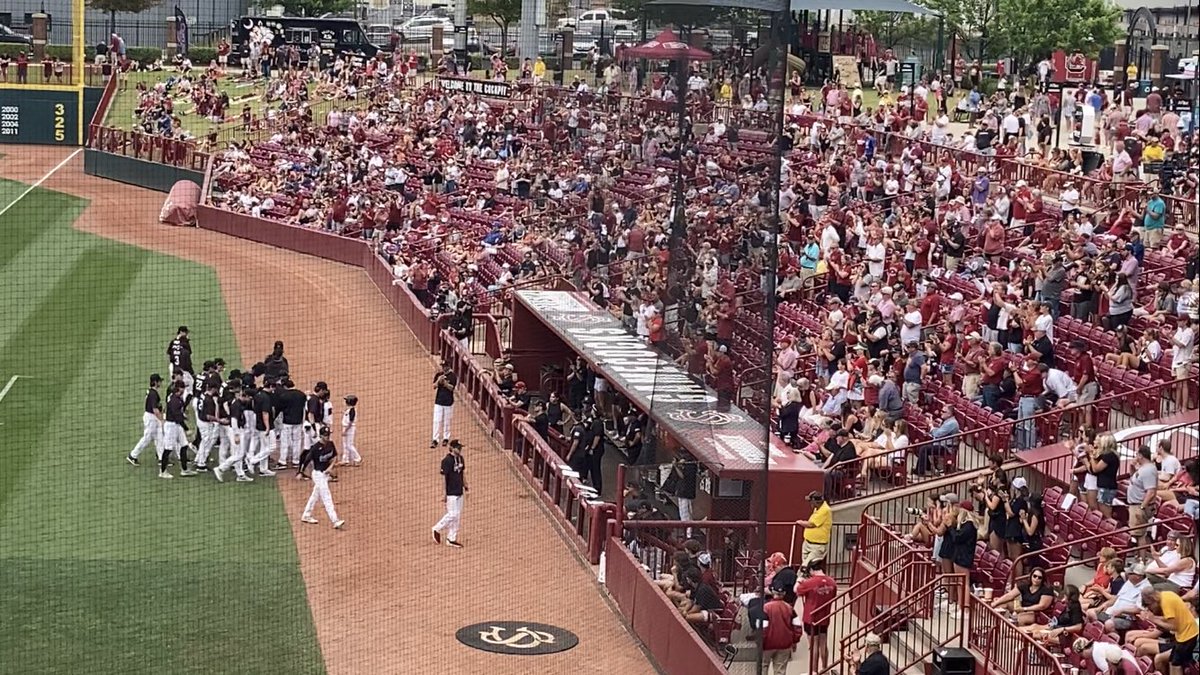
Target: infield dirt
[(384, 597)]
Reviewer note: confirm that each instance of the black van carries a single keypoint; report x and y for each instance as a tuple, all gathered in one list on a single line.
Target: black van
[(334, 35)]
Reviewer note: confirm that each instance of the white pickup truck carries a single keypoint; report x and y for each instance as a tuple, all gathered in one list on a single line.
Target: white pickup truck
[(592, 21)]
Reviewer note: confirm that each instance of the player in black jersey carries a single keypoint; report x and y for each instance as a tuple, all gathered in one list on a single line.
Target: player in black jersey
[(179, 355), (152, 420)]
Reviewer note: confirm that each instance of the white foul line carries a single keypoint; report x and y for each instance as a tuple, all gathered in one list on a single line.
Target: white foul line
[(11, 381), (4, 392), (29, 189)]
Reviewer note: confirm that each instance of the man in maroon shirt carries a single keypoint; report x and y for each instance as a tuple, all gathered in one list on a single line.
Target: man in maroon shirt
[(779, 636), (1083, 371), (1030, 386), (721, 369), (991, 373), (817, 591)]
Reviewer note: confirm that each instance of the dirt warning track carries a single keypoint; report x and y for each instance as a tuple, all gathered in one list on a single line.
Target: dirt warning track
[(385, 598)]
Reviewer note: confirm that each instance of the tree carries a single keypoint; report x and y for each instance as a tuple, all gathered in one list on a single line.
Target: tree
[(114, 6), (973, 23), (504, 12), (896, 29), (1034, 29), (314, 7)]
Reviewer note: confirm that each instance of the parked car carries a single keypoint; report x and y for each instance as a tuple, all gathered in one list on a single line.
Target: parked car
[(379, 34), (421, 28), (9, 36)]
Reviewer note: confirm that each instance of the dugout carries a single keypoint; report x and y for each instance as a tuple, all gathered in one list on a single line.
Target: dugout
[(553, 327)]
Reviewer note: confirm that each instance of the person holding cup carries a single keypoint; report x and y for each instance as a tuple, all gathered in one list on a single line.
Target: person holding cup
[(1028, 598)]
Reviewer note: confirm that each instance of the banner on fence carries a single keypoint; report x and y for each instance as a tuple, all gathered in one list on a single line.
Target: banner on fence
[(477, 87), (181, 30)]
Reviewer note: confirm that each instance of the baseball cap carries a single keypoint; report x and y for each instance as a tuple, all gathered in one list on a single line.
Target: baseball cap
[(456, 444), (1020, 483), (1136, 568), (949, 498), (324, 431), (704, 559), (816, 496)]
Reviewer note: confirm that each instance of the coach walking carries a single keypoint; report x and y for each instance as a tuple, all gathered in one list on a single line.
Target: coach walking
[(443, 403), (454, 473), (179, 356)]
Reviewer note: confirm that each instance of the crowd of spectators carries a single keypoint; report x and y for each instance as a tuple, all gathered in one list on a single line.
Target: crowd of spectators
[(928, 284)]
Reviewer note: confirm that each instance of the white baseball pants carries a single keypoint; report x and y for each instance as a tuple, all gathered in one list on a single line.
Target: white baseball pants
[(209, 435), (258, 448), (320, 481), (174, 438), (453, 518), (151, 433), (442, 415), (290, 443), (239, 439), (349, 449), (224, 442)]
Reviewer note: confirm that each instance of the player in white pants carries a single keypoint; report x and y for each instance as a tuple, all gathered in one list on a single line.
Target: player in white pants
[(239, 437), (455, 474), (349, 429), (208, 419), (152, 419), (443, 404), (258, 451), (321, 455)]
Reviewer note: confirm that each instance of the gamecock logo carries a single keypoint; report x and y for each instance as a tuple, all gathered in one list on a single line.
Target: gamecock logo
[(714, 418)]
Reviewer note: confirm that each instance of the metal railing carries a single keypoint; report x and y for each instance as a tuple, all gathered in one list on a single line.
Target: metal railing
[(1006, 649), (1153, 403)]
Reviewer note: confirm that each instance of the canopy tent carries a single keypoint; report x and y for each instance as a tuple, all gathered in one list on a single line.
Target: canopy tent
[(895, 6), (666, 46)]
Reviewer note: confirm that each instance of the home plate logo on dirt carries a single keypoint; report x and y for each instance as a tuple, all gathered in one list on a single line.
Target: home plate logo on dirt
[(517, 637)]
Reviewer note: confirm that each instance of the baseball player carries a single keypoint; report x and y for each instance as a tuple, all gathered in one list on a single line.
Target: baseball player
[(259, 449), (179, 355), (454, 473), (175, 433), (225, 398), (208, 418), (349, 427), (443, 403), (321, 455), (152, 419), (292, 404), (315, 412), (241, 420), (275, 365)]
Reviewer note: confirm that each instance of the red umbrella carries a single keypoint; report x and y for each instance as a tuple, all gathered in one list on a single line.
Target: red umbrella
[(667, 46)]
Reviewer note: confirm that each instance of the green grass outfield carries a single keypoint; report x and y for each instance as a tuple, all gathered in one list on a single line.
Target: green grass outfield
[(104, 568)]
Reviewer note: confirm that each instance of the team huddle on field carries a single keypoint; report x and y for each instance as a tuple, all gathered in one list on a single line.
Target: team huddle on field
[(256, 421)]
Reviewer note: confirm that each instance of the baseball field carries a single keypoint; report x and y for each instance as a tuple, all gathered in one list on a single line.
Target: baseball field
[(106, 568)]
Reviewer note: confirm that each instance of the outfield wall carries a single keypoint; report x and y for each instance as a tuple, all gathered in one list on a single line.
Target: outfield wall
[(139, 172)]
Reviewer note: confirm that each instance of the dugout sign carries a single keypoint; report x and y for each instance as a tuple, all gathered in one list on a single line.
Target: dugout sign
[(39, 117), (477, 87)]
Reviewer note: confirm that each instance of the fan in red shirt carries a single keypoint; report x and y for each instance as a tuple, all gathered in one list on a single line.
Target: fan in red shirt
[(779, 637), (818, 592)]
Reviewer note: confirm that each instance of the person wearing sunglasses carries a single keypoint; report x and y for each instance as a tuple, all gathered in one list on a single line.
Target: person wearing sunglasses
[(1028, 598)]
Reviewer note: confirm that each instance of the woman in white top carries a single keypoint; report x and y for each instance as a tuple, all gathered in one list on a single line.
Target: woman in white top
[(887, 448), (1176, 562)]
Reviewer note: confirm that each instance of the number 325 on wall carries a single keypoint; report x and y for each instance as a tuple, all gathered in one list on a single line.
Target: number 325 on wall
[(60, 122)]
